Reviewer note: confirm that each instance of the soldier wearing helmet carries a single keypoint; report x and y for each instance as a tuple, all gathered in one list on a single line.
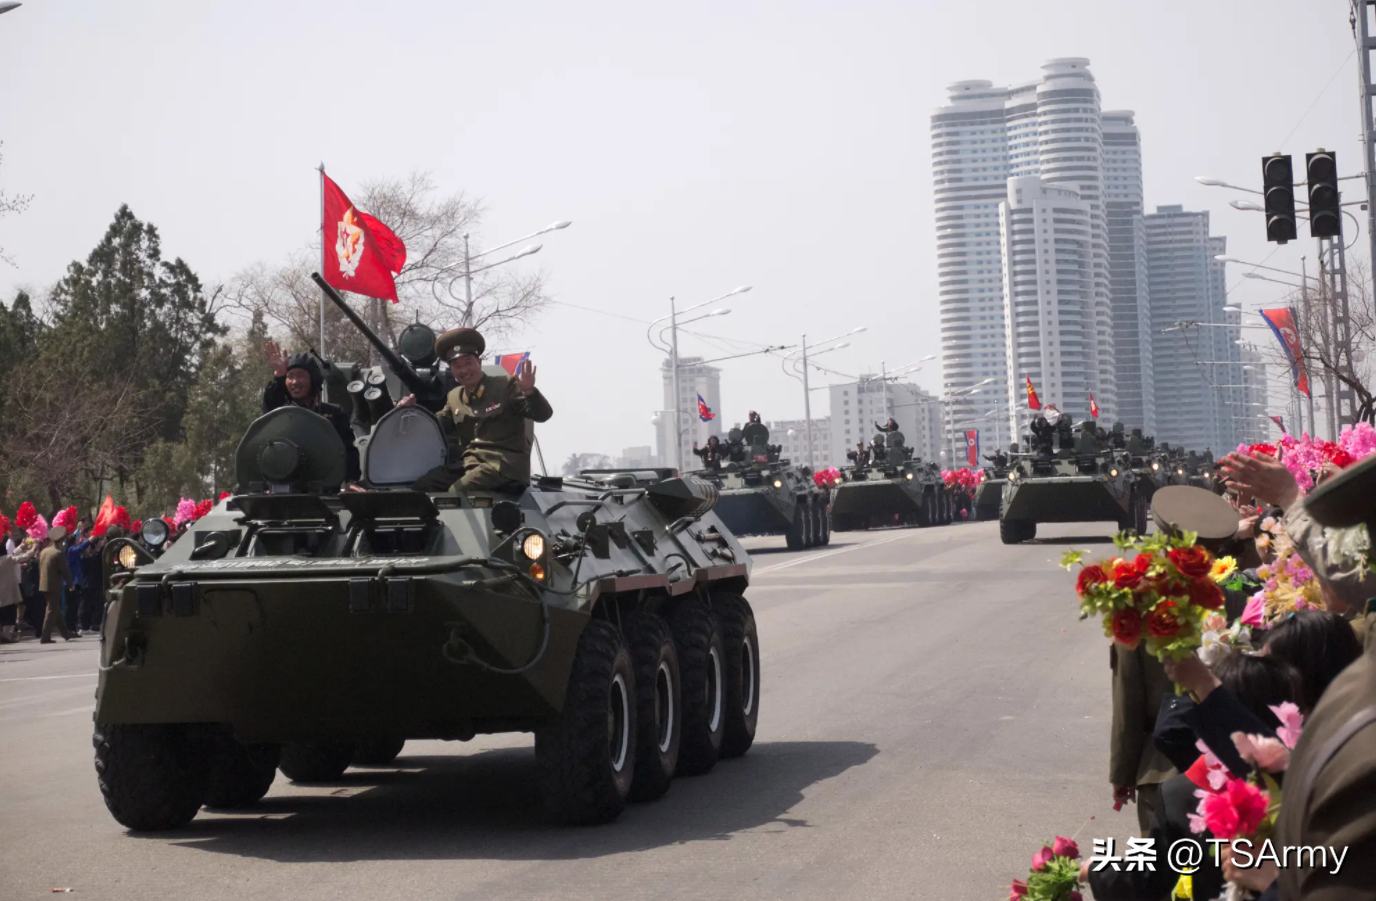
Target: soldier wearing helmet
[(297, 381)]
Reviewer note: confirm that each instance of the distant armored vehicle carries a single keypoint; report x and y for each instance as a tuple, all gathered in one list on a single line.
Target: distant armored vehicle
[(887, 485), (1070, 476), (762, 494), (299, 627)]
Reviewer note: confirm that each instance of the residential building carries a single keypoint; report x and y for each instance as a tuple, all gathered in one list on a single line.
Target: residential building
[(641, 457), (1253, 422), (694, 378), (1052, 129), (791, 436), (1200, 352), (1127, 271), (858, 407), (1048, 289)]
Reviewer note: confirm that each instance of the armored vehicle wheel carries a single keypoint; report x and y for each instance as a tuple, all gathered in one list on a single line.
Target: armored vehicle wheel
[(659, 705), (1013, 531), (926, 513), (697, 633), (1141, 505), (741, 646), (152, 776), (1029, 530), (377, 751), (799, 533), (946, 501), (824, 517), (316, 761), (241, 774), (586, 755)]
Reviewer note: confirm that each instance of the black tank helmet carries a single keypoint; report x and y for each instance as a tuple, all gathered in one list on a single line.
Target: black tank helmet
[(307, 363)]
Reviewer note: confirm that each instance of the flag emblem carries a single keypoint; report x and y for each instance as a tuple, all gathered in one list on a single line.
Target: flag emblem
[(1033, 402), (348, 244), (511, 362), (705, 412)]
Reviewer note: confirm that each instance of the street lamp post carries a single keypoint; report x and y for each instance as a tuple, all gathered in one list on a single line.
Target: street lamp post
[(807, 391), (673, 359)]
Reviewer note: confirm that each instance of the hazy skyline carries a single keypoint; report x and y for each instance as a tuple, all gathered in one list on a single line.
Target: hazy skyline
[(696, 147)]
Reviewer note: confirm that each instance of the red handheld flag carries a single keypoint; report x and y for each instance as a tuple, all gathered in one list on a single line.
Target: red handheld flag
[(361, 254), (1033, 403), (1093, 407), (105, 518)]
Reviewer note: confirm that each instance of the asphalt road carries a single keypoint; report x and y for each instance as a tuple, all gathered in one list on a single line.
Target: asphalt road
[(932, 711)]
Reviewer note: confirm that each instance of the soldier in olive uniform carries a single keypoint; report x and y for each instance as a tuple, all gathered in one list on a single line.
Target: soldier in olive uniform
[(297, 381), (52, 575), (486, 417), (712, 454)]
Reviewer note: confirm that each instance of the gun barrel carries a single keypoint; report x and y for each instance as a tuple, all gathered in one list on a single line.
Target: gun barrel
[(399, 366)]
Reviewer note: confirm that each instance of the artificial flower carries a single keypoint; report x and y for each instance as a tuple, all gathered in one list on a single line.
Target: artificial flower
[(1205, 594), (1291, 722), (1254, 613), (1065, 847), (1223, 569), (1127, 627), (25, 516), (1235, 811), (1164, 620), (1126, 575), (1262, 751), (1193, 562), (1041, 859), (1089, 577), (38, 530), (1019, 890)]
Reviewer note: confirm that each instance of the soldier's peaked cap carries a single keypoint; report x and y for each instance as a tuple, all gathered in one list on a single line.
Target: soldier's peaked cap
[(1347, 499), (57, 533), (1188, 509), (459, 341)]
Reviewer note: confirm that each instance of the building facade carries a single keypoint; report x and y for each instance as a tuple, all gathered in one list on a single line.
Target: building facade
[(1198, 360), (694, 378), (858, 407), (1127, 272), (791, 436), (1051, 129), (641, 457)]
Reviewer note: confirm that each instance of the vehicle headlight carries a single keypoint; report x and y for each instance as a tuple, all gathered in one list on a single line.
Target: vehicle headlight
[(537, 572), (778, 483), (128, 557), (909, 477), (155, 532), (1155, 467), (534, 546), (1012, 475), (1180, 472), (1113, 473)]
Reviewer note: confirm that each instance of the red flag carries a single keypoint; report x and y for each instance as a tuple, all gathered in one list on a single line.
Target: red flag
[(1280, 421), (361, 254), (105, 518), (1282, 322), (1093, 407), (511, 362), (1032, 402)]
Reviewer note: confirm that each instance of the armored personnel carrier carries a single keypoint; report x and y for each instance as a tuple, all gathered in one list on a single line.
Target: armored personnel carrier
[(989, 494), (1073, 478), (887, 485), (304, 628), (761, 494)]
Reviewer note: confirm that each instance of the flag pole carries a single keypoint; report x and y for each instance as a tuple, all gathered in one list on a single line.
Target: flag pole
[(321, 349)]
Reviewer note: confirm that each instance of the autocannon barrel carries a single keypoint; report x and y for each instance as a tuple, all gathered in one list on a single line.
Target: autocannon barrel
[(403, 370)]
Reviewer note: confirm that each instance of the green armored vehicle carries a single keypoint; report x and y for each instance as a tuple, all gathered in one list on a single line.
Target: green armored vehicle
[(304, 628), (989, 494), (1070, 476), (887, 485), (760, 494)]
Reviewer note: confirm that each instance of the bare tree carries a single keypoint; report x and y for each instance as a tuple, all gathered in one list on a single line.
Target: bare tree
[(11, 203), (431, 286), (1344, 357)]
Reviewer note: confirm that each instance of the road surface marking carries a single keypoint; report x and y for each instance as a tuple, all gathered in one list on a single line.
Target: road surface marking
[(839, 550), (45, 678)]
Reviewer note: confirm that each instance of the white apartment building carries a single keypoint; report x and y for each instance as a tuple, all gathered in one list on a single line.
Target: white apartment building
[(694, 377), (1051, 128), (858, 407), (1187, 284), (1048, 291), (1127, 270), (791, 436), (640, 457)]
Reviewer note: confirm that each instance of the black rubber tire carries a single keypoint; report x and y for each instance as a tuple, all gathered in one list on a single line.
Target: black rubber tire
[(741, 645), (926, 512), (1029, 530), (1012, 531), (152, 776), (701, 663), (586, 755), (1142, 512), (797, 534), (825, 514), (377, 751), (658, 703), (241, 774), (315, 761)]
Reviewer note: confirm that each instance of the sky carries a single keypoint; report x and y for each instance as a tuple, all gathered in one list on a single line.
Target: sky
[(695, 146)]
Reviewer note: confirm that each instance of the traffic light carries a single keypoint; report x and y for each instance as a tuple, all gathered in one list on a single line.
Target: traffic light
[(1325, 210), (1278, 183)]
